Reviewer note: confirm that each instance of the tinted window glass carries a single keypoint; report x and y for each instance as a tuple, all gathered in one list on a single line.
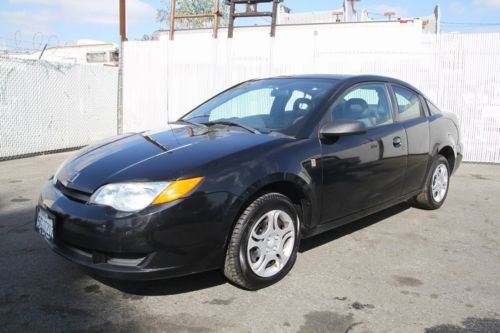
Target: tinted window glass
[(274, 105), (367, 103), (408, 103), (295, 100), (433, 109), (255, 102)]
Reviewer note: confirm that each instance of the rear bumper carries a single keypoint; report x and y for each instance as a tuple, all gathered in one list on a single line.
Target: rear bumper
[(179, 238)]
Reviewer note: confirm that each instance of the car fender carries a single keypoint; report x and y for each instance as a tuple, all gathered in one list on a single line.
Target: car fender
[(443, 132), (309, 212)]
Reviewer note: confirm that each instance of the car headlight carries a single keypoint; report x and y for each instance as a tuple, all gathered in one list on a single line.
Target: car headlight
[(131, 197)]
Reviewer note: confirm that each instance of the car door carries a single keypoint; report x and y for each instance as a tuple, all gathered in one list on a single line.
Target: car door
[(411, 115), (365, 170)]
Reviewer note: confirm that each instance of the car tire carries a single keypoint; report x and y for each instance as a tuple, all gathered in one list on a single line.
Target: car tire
[(436, 186), (264, 243)]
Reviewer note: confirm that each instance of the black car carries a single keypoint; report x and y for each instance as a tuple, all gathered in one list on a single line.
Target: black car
[(240, 180)]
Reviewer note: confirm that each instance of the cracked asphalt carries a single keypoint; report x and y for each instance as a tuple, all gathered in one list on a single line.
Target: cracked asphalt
[(401, 270)]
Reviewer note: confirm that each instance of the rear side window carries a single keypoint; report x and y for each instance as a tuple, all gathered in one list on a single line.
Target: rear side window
[(408, 103), (433, 109)]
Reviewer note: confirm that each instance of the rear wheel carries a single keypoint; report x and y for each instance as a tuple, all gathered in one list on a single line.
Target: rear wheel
[(264, 243), (436, 188)]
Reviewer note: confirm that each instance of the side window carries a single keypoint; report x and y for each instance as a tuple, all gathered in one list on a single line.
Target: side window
[(367, 103), (408, 103)]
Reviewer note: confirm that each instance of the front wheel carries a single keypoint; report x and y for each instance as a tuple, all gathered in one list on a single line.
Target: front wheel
[(436, 187), (264, 243)]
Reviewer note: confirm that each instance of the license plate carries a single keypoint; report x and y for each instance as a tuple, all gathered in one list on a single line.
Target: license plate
[(45, 224)]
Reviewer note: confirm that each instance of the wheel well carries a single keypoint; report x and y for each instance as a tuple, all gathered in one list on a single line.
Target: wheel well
[(286, 188), (449, 154), (290, 190)]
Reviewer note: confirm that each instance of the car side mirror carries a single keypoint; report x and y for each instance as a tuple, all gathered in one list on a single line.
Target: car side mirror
[(342, 128)]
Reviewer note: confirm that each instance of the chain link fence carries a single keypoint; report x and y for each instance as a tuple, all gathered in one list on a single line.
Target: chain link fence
[(48, 107)]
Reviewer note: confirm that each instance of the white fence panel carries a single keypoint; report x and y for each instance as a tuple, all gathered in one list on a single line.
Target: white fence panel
[(48, 106), (469, 86), (460, 72), (145, 93)]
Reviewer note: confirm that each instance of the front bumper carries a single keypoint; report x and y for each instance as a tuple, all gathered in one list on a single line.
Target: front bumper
[(179, 238)]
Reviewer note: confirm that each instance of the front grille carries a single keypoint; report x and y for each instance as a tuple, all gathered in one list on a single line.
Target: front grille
[(75, 195)]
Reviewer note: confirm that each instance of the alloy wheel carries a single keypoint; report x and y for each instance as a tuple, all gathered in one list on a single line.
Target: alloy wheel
[(271, 243), (439, 184)]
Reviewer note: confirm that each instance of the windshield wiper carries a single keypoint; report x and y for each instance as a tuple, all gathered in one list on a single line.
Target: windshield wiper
[(232, 123)]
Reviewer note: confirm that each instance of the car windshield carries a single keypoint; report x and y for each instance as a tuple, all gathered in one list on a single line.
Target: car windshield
[(264, 106)]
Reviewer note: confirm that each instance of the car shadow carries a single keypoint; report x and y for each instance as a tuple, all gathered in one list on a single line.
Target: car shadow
[(172, 286), (326, 237)]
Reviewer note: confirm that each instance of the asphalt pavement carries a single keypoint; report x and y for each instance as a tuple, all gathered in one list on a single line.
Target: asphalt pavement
[(401, 270)]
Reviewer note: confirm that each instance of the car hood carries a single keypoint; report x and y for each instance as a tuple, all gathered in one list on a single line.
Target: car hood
[(162, 155)]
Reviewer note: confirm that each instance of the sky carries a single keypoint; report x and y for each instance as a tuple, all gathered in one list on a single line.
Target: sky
[(29, 24)]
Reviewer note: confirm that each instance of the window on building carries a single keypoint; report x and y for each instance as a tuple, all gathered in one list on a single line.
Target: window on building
[(114, 56), (96, 57)]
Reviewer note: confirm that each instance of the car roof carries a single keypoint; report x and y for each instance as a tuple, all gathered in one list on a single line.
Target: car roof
[(318, 76), (350, 79)]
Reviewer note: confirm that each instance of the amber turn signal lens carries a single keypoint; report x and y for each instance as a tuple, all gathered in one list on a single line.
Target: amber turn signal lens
[(177, 189)]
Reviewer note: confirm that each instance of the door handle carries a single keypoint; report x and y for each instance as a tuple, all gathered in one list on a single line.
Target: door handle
[(396, 142)]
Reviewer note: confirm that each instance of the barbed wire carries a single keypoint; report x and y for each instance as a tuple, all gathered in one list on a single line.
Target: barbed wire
[(19, 41)]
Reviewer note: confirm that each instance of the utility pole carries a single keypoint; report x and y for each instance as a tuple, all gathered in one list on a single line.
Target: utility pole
[(123, 21), (123, 38), (172, 20)]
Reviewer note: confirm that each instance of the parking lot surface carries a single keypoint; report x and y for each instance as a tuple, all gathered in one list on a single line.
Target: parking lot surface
[(401, 270)]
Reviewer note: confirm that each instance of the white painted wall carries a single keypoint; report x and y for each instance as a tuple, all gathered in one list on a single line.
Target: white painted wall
[(165, 79), (48, 106)]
